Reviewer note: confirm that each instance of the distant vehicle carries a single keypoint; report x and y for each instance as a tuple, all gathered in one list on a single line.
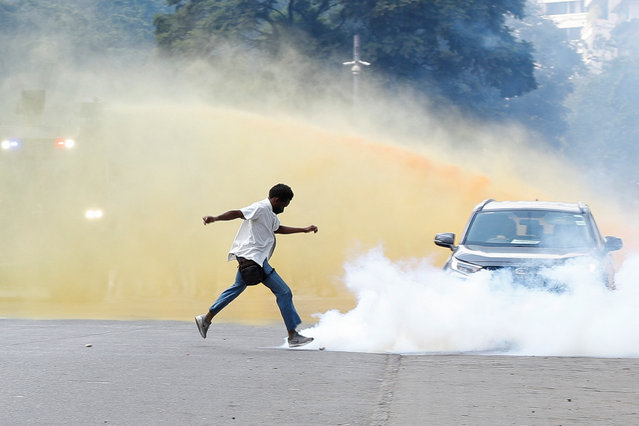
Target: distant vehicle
[(526, 237), (54, 225)]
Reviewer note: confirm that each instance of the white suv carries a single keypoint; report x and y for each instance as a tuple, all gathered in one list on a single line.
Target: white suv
[(527, 236)]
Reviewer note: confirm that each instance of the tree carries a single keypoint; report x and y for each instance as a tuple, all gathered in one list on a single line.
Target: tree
[(604, 119), (61, 45), (74, 30), (200, 28), (458, 49), (542, 111)]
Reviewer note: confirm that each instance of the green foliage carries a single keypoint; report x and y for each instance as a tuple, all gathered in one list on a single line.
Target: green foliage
[(200, 28), (477, 53), (604, 123), (557, 61), (61, 46), (76, 28), (463, 46), (625, 38), (458, 49)]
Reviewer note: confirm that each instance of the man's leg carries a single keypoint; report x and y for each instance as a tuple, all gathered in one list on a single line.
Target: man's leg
[(284, 298), (227, 296)]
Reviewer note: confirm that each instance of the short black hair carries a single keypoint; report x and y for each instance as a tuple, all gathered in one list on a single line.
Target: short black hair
[(281, 191)]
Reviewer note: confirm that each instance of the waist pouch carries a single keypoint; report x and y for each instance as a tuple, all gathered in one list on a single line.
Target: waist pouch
[(252, 273)]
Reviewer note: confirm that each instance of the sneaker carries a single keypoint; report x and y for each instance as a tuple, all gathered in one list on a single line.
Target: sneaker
[(202, 325), (298, 340)]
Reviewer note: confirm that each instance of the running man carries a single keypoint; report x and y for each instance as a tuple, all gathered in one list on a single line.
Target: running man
[(252, 248)]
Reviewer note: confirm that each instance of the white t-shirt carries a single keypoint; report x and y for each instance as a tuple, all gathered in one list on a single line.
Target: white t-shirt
[(255, 239)]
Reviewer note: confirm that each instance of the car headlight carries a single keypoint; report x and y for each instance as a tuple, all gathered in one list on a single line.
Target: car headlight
[(8, 144), (65, 143), (463, 267), (93, 214)]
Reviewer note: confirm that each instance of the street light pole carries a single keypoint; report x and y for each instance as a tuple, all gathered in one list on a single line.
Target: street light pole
[(355, 67)]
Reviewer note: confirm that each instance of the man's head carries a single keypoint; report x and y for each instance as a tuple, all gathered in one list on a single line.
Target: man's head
[(280, 196)]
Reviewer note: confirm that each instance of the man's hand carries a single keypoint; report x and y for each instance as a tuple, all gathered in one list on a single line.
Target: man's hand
[(311, 228), (293, 230), (229, 215)]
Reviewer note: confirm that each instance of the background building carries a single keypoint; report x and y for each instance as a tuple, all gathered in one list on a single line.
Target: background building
[(588, 23)]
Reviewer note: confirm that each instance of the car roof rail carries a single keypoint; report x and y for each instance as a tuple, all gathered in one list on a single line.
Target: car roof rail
[(583, 207), (481, 205)]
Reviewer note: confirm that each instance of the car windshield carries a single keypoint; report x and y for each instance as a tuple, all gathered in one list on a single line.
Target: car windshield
[(536, 228)]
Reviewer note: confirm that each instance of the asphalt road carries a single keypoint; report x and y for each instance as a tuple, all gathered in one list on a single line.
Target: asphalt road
[(83, 372)]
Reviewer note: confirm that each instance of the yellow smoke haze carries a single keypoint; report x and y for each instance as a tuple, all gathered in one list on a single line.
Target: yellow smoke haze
[(170, 163)]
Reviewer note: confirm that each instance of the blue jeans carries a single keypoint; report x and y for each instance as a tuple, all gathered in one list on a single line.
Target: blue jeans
[(276, 284)]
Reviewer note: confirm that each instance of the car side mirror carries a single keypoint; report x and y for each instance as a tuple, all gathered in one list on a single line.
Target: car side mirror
[(445, 239), (613, 243)]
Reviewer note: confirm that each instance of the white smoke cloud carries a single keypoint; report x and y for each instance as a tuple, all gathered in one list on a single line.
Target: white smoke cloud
[(413, 306)]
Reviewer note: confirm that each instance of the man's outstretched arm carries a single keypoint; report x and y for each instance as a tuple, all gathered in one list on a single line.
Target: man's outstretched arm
[(229, 215), (291, 230)]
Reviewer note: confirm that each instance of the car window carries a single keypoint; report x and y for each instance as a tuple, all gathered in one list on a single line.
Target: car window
[(535, 228)]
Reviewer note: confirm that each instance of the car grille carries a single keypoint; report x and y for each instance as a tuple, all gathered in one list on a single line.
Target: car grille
[(529, 277)]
